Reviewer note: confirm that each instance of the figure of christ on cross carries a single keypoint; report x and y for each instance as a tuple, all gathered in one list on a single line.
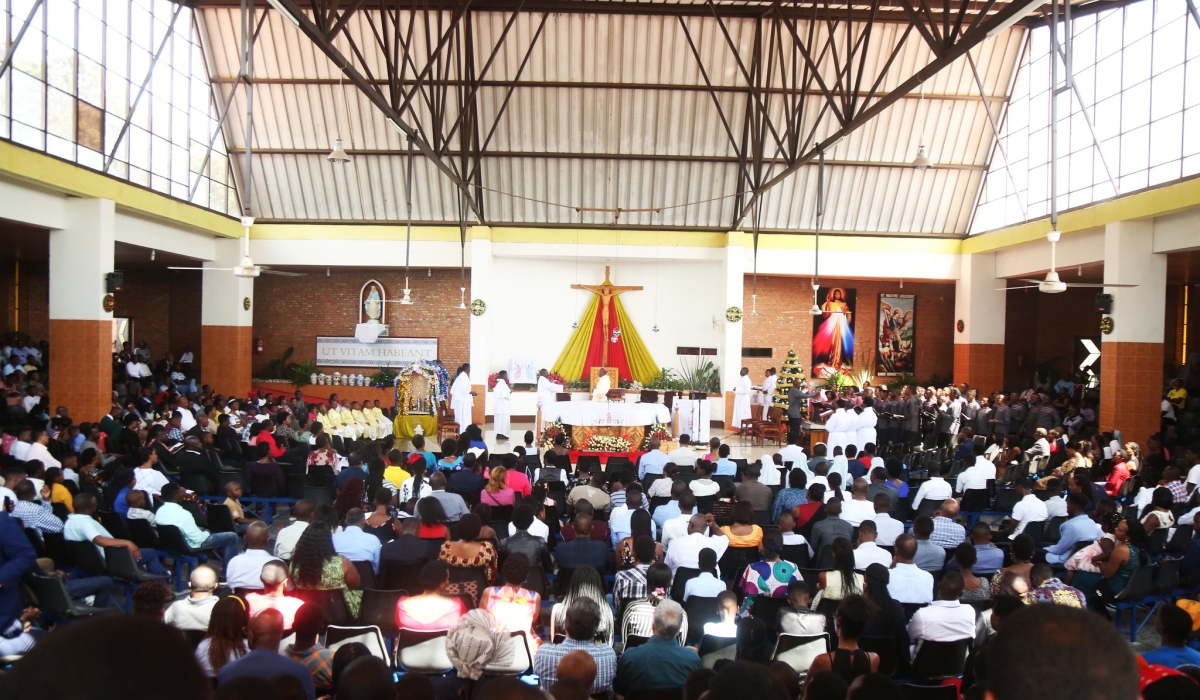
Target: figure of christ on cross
[(607, 290)]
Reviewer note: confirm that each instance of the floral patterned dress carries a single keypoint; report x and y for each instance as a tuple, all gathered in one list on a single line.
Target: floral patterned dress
[(766, 578), (333, 577), (484, 559)]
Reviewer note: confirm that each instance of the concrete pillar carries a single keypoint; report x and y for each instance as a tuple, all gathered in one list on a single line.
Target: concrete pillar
[(1131, 357), (979, 302), (480, 350), (734, 267), (81, 254), (227, 319)]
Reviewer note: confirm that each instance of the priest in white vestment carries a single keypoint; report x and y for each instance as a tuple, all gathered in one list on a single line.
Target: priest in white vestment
[(741, 399), (502, 406), (461, 401), (603, 384), (546, 394), (865, 425), (768, 390)]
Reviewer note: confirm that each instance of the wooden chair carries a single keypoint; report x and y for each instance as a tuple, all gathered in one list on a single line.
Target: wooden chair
[(446, 427), (773, 428)]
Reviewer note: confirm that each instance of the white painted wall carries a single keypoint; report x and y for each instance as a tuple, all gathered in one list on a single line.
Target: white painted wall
[(1075, 248), (147, 233), (81, 254)]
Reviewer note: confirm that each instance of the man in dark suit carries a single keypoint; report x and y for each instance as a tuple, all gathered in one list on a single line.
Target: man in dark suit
[(193, 460), (912, 416), (582, 550), (796, 398)]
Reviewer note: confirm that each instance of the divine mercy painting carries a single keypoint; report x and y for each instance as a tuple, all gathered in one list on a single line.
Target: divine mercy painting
[(833, 332)]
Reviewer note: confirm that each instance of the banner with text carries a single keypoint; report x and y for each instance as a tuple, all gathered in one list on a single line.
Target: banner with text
[(385, 352)]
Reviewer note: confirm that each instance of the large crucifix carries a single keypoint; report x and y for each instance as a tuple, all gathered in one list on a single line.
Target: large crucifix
[(607, 290)]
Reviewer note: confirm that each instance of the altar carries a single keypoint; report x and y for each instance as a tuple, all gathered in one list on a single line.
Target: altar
[(405, 426), (611, 418)]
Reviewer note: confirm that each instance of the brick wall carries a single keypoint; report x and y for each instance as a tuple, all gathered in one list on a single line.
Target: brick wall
[(934, 319), (293, 311), (165, 308), (35, 298)]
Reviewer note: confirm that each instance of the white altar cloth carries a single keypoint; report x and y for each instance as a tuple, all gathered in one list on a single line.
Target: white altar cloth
[(693, 419), (606, 413)]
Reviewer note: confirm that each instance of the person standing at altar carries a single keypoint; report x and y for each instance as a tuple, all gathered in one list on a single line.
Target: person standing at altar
[(768, 391), (603, 384), (546, 393), (461, 397), (502, 406), (741, 399)]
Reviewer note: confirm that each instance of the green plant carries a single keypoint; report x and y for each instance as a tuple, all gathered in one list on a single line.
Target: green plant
[(902, 380), (280, 368), (577, 384), (838, 381), (665, 380), (861, 377), (937, 380), (301, 373), (385, 377), (702, 376)]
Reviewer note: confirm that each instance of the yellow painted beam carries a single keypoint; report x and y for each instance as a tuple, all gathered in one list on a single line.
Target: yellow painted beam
[(60, 176), (628, 237), (1139, 205), (859, 244), (353, 232)]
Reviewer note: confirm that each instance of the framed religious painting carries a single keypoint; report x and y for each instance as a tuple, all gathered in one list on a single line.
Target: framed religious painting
[(833, 331), (896, 343)]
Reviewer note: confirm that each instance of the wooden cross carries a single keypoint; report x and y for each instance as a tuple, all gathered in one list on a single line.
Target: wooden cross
[(607, 290)]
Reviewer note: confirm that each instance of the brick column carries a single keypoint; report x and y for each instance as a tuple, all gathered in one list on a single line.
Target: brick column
[(226, 331), (979, 303), (1131, 357), (80, 329), (479, 287), (734, 266)]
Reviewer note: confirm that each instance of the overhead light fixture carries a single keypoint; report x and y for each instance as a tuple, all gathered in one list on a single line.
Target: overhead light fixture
[(151, 253), (392, 123), (286, 14), (816, 309), (338, 154), (462, 298), (1017, 16), (922, 162)]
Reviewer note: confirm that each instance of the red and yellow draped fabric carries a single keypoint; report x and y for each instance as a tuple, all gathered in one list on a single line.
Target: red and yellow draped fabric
[(585, 349)]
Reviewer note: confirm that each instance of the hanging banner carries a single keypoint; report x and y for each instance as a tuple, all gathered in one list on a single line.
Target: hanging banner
[(385, 352), (833, 332), (896, 345)]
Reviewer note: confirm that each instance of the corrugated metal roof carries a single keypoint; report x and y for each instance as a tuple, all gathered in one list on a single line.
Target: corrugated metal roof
[(611, 111)]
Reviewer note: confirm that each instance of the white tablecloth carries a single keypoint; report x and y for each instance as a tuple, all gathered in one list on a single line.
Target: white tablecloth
[(693, 418), (606, 413)]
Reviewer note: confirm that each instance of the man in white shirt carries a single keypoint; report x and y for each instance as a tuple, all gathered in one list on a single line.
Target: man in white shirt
[(945, 619), (907, 583), (936, 489), (741, 399), (1056, 505), (683, 456), (678, 526), (546, 393), (976, 476), (38, 450), (286, 539), (685, 551), (768, 393), (706, 585), (146, 477), (867, 552), (858, 508), (245, 570), (20, 449), (795, 454), (192, 613), (136, 370), (887, 527), (356, 545), (1193, 475), (1029, 509), (187, 419), (618, 520)]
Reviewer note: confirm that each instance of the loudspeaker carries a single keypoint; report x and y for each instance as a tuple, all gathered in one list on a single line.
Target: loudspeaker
[(115, 281), (1104, 303)]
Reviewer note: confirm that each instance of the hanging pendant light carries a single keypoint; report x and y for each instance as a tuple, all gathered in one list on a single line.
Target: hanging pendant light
[(922, 162), (338, 154), (816, 282), (406, 293)]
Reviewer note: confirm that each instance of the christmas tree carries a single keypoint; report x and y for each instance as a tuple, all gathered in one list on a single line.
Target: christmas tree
[(791, 370)]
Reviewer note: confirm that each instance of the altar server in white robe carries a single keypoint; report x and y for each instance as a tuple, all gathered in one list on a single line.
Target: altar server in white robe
[(546, 394), (603, 384), (461, 400), (502, 405), (865, 425), (841, 427), (768, 392), (741, 399)]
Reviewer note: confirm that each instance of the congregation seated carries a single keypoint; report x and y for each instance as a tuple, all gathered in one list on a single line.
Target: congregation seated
[(305, 648), (706, 584), (265, 632), (193, 612), (637, 617), (225, 638), (471, 553), (517, 609), (726, 624), (524, 541), (945, 619), (744, 533), (843, 579), (435, 609), (976, 589), (661, 662), (82, 526), (908, 583), (407, 551), (585, 584), (847, 660), (798, 618), (599, 532), (356, 545), (640, 525), (930, 557), (582, 549)]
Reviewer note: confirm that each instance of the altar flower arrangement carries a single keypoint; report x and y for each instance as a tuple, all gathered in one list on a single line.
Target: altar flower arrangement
[(556, 378), (662, 431), (492, 379), (553, 430), (608, 443)]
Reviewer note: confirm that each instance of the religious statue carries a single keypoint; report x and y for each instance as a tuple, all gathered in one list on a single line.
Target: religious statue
[(606, 291)]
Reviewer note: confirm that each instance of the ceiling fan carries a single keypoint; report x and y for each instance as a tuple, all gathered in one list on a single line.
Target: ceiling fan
[(1052, 284), (246, 267)]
